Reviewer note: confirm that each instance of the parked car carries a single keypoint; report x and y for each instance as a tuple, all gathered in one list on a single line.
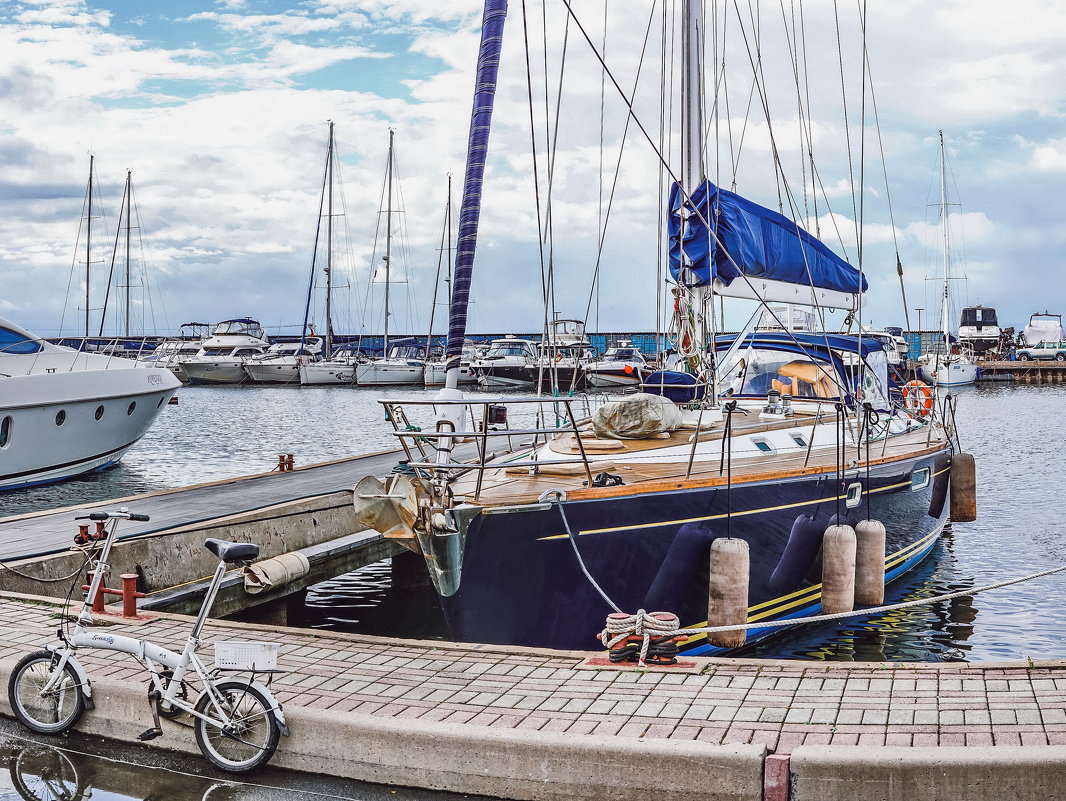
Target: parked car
[(1043, 350)]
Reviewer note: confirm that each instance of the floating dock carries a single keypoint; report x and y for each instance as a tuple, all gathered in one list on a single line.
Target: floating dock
[(1027, 372), (525, 723)]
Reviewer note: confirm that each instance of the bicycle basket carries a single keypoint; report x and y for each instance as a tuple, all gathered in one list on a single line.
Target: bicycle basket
[(246, 655)]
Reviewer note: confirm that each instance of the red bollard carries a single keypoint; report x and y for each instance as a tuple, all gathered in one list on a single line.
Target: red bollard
[(82, 537), (98, 601), (281, 462), (101, 531), (290, 462), (130, 594)]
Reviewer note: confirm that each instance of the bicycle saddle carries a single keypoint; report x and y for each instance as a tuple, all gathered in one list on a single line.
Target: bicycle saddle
[(232, 551)]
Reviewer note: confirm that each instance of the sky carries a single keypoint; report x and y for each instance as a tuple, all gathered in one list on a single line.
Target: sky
[(220, 110)]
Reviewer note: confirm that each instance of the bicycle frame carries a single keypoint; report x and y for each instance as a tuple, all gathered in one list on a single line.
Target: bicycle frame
[(153, 658)]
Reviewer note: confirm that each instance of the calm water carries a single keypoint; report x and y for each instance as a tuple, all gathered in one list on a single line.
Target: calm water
[(225, 431)]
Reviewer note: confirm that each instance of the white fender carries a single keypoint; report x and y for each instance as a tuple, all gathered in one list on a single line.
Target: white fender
[(83, 677)]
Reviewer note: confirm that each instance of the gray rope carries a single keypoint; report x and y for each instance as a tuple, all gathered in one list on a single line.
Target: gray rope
[(557, 497)]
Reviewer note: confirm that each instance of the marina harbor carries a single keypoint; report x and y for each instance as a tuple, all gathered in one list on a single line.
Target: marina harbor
[(575, 401)]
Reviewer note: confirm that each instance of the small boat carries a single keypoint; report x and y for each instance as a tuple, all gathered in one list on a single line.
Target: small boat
[(1043, 327), (508, 362), (282, 361), (949, 365), (404, 363), (339, 368), (65, 412), (562, 356), (222, 356), (979, 330), (437, 369), (400, 364), (620, 366), (170, 352)]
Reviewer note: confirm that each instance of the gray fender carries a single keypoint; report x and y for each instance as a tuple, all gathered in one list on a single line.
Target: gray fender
[(83, 677)]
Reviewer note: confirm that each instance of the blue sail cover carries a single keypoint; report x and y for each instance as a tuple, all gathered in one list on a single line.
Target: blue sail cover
[(488, 63), (761, 242)]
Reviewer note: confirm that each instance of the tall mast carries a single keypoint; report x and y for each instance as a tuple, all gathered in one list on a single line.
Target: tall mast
[(88, 246), (388, 240), (692, 144), (944, 220), (328, 341), (129, 202)]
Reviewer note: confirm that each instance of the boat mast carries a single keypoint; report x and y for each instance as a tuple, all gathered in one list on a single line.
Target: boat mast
[(129, 202), (692, 146), (88, 247), (488, 64), (327, 343), (445, 246), (388, 241), (944, 220)]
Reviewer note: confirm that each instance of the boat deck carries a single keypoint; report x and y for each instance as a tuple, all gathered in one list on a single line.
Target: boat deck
[(39, 533), (515, 485)]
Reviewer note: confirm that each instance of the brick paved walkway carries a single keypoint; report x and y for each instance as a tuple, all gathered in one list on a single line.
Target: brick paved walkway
[(776, 703)]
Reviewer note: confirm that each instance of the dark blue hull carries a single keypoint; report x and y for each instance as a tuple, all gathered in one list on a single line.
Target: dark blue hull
[(522, 585)]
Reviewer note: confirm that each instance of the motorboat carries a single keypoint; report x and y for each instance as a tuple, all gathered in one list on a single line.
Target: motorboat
[(170, 352), (768, 443), (282, 361), (1043, 327), (436, 369), (65, 412), (222, 356), (562, 356), (339, 368), (508, 362), (403, 364), (979, 330), (620, 366)]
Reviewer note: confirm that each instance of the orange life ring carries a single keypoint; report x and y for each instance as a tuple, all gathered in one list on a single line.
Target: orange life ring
[(918, 397)]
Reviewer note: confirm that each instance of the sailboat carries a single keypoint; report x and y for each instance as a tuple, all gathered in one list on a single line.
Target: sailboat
[(948, 365), (402, 362), (534, 534)]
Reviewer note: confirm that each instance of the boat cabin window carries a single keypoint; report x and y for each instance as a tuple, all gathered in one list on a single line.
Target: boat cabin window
[(621, 355), (5, 431), (407, 352), (756, 371), (13, 342), (232, 327), (217, 351), (246, 352), (509, 349)]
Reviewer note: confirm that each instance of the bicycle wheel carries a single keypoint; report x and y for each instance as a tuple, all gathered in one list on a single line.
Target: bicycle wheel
[(250, 735), (51, 712)]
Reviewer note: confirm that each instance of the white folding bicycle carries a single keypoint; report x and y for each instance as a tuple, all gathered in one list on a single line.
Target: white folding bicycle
[(237, 720)]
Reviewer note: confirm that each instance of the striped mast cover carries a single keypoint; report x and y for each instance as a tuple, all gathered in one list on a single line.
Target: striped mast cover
[(488, 63)]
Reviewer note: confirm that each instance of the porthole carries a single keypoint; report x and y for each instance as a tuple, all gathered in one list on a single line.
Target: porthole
[(919, 479), (99, 412), (799, 440), (130, 409), (854, 495), (5, 432), (61, 417), (763, 445)]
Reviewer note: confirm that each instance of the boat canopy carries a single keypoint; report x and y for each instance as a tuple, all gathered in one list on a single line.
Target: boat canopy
[(749, 239)]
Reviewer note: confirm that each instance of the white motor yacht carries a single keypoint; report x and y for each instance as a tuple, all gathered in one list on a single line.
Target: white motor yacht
[(506, 363), (404, 365), (620, 366), (222, 357), (337, 369), (435, 372), (282, 361), (64, 412)]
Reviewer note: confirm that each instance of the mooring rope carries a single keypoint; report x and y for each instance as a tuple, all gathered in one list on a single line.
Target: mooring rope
[(660, 624)]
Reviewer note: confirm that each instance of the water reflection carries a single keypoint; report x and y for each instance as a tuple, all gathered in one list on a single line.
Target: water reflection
[(40, 773)]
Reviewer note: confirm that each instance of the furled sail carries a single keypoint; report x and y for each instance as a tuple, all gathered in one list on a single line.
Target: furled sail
[(760, 242)]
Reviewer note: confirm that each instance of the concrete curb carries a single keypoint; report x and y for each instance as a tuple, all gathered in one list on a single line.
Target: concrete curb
[(974, 773), (508, 763)]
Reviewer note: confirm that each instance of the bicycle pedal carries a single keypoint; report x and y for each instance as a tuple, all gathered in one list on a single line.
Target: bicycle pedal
[(149, 734)]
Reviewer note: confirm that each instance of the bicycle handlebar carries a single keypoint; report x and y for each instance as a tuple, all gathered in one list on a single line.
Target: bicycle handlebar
[(121, 514)]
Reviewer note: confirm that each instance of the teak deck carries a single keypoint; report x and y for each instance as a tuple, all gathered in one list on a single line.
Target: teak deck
[(501, 488)]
